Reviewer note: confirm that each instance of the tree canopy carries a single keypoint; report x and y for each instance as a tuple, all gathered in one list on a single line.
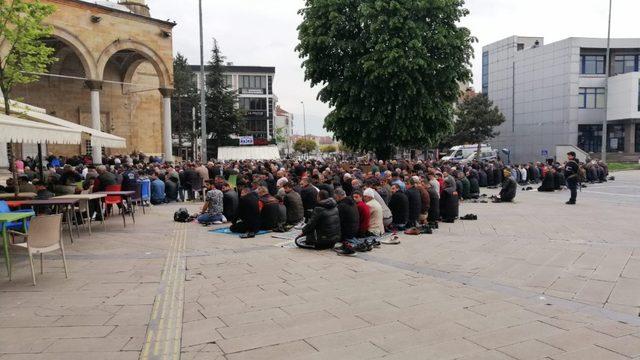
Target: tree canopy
[(305, 146), (477, 119), (390, 69), (328, 149), (183, 101), (23, 54), (223, 119)]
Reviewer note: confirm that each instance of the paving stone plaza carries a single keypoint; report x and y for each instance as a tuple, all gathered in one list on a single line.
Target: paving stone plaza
[(531, 280)]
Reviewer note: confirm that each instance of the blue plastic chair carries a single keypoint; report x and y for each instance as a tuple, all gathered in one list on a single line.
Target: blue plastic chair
[(145, 190), (13, 225)]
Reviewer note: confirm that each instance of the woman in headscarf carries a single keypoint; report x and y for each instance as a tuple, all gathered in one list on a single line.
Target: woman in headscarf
[(449, 201)]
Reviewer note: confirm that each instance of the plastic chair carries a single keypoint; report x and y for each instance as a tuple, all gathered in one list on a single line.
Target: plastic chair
[(145, 191), (13, 225), (45, 235), (111, 200)]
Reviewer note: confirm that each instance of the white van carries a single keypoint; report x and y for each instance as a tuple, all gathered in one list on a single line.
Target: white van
[(462, 152)]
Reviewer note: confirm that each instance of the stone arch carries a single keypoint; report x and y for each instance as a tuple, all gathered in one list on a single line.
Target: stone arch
[(141, 49), (80, 49)]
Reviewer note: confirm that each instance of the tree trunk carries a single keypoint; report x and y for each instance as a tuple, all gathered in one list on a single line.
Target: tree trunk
[(12, 162), (479, 150)]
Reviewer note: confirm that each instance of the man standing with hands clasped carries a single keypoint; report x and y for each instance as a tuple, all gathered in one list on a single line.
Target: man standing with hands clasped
[(571, 172)]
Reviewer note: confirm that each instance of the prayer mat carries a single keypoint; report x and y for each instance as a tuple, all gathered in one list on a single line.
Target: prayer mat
[(227, 231)]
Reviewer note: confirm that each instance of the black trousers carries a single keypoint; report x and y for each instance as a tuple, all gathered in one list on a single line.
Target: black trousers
[(572, 184)]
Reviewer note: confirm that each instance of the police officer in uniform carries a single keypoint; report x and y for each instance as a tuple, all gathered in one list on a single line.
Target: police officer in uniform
[(571, 170)]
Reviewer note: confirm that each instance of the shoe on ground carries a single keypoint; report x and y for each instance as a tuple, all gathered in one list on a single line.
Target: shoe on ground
[(248, 235), (570, 203), (217, 222), (393, 241), (412, 231), (344, 251)]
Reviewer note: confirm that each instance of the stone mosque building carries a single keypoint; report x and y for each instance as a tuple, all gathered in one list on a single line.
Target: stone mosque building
[(114, 73)]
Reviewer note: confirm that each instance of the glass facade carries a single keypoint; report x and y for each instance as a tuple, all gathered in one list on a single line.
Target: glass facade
[(623, 64), (485, 72), (253, 103), (590, 138), (591, 98), (615, 138), (592, 64), (252, 82)]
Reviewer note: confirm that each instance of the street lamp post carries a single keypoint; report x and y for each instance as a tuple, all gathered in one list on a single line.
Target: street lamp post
[(606, 88), (304, 121), (203, 118)]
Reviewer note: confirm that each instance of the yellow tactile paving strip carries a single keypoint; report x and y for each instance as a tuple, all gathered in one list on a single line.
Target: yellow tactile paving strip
[(165, 326)]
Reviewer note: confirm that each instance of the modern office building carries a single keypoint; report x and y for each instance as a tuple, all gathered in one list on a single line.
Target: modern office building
[(555, 95), (254, 87)]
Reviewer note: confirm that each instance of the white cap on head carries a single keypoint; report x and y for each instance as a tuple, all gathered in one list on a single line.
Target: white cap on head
[(281, 182), (369, 192)]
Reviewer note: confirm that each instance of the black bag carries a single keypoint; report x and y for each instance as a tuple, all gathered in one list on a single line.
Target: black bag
[(182, 215)]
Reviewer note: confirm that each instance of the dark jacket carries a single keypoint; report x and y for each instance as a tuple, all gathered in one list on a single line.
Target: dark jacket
[(309, 196), (349, 218), (449, 204), (270, 216), (508, 191), (230, 202), (466, 188), (399, 206), (249, 211), (548, 183), (415, 205), (434, 209), (170, 189), (295, 211), (325, 223), (106, 179), (191, 180)]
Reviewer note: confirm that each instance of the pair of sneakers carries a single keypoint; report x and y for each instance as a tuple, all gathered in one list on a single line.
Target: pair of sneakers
[(469, 217)]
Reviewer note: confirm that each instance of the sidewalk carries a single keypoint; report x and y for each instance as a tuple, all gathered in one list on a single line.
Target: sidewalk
[(530, 280)]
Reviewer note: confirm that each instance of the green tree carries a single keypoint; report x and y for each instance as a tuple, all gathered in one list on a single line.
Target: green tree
[(328, 149), (477, 118), (223, 119), (183, 101), (22, 52), (388, 68), (305, 146)]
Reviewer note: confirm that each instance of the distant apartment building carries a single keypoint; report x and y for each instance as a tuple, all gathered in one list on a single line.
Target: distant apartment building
[(283, 130), (254, 86), (554, 94)]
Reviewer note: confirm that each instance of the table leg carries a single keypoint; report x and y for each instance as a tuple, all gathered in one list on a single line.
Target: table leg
[(88, 215), (133, 209), (69, 223), (101, 200), (75, 217), (5, 241), (124, 211)]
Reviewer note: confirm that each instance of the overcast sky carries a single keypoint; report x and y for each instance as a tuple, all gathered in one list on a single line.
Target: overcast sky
[(264, 33)]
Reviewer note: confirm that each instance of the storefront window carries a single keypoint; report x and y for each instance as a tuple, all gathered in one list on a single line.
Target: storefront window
[(615, 137), (590, 138)]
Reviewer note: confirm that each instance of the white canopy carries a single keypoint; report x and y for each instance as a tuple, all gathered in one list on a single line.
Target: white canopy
[(98, 138), (248, 152), (13, 129)]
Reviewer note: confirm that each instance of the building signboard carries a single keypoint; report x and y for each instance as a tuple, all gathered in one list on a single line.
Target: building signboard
[(246, 140), (248, 91)]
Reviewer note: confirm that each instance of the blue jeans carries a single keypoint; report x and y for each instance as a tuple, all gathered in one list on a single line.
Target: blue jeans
[(209, 219)]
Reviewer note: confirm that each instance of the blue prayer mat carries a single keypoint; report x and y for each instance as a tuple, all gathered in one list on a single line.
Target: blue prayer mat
[(227, 231)]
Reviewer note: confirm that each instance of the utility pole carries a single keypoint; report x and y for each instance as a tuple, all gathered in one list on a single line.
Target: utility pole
[(203, 115), (304, 121), (607, 64)]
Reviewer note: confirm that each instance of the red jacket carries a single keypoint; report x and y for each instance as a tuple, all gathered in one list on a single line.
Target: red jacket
[(365, 216)]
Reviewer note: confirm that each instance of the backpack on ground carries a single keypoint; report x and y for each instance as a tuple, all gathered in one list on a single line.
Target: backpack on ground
[(182, 215)]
